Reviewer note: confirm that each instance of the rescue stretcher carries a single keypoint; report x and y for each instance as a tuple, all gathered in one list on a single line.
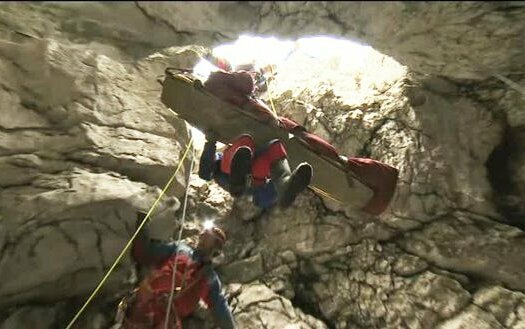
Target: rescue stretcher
[(332, 176)]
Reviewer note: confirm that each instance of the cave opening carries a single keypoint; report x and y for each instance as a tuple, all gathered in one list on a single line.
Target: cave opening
[(506, 195), (344, 64), (304, 298)]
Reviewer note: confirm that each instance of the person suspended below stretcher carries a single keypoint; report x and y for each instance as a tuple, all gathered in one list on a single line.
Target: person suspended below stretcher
[(192, 278), (239, 88)]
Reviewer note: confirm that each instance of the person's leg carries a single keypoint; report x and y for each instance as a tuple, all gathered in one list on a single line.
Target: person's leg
[(289, 184), (237, 163), (264, 196), (273, 163), (240, 170)]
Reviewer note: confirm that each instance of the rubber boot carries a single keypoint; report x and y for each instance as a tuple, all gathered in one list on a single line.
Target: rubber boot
[(241, 168), (289, 184)]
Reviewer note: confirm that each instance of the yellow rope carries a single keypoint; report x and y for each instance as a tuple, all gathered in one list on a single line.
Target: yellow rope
[(173, 112), (132, 238), (323, 193)]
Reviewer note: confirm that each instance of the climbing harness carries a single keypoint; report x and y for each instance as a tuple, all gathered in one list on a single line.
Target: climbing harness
[(190, 143)]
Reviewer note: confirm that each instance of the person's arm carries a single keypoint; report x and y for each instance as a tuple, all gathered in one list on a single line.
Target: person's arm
[(218, 306), (207, 161)]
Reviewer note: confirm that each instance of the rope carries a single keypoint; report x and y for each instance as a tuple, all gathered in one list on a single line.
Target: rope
[(323, 193), (511, 84), (170, 299), (132, 238), (502, 78), (269, 92)]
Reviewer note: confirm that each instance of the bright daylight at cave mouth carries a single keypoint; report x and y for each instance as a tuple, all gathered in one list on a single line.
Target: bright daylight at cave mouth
[(315, 53)]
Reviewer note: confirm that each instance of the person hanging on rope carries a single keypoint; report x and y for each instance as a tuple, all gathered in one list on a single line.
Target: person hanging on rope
[(195, 280), (264, 172)]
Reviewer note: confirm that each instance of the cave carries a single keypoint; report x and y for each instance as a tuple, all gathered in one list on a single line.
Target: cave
[(86, 143), (507, 195)]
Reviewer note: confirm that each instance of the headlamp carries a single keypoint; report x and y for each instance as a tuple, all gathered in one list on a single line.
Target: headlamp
[(208, 224)]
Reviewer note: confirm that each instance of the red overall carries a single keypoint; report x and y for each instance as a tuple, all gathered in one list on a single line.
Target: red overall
[(261, 164), (149, 309)]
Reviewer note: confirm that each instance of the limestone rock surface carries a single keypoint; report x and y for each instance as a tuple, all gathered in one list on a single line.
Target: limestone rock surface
[(85, 143)]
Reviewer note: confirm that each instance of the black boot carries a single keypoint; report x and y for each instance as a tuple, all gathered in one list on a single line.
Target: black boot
[(287, 184), (241, 168)]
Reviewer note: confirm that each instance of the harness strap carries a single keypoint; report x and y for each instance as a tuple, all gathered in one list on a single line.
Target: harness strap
[(146, 285)]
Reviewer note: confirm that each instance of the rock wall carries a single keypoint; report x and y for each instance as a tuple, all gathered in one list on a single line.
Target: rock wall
[(463, 40), (430, 37), (77, 160), (85, 143), (427, 261)]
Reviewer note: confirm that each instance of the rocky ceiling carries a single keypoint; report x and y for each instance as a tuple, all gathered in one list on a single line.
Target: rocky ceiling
[(462, 40), (85, 142)]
